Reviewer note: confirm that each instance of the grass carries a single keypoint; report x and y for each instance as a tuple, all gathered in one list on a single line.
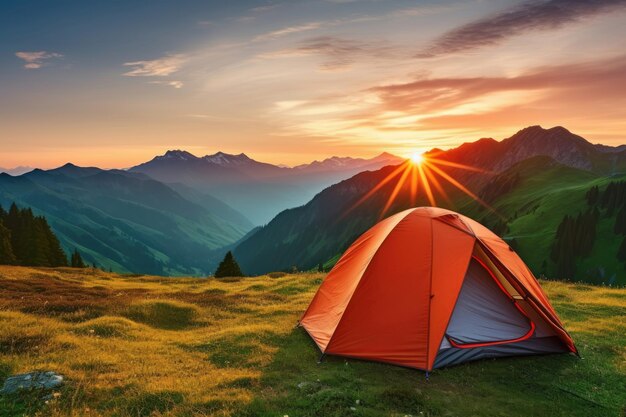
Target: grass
[(150, 346), (541, 202)]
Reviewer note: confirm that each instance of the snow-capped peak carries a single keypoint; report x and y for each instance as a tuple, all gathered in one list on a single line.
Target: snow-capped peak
[(222, 158), (179, 154)]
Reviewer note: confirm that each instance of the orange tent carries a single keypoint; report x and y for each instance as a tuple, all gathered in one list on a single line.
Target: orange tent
[(427, 288)]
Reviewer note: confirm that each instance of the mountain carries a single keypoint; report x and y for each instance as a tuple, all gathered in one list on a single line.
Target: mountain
[(532, 179), (557, 142), (126, 221), (258, 190), (337, 163), (16, 171)]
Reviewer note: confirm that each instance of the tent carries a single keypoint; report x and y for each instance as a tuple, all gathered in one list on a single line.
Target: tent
[(428, 288)]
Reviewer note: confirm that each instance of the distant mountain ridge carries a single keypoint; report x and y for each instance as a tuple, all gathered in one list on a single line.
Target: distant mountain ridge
[(340, 163), (257, 189), (531, 168), (16, 171)]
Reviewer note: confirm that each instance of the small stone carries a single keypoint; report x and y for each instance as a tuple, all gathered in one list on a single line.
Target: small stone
[(353, 408), (46, 380), (358, 402)]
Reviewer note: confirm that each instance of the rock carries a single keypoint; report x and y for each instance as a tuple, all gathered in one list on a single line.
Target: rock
[(44, 380)]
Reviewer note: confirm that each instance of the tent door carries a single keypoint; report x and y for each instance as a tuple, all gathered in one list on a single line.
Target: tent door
[(485, 314)]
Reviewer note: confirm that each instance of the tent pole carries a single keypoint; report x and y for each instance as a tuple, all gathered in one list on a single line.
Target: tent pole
[(321, 358), (427, 376)]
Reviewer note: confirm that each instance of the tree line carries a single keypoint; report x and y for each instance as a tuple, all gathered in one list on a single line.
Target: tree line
[(613, 200), (28, 240), (575, 237)]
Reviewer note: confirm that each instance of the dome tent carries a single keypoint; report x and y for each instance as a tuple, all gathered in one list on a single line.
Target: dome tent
[(427, 288)]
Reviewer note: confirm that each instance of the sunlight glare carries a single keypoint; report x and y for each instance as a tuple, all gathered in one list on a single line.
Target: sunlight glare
[(417, 158)]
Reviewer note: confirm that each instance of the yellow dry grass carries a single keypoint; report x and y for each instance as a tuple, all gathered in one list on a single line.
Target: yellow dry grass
[(152, 346), (130, 347)]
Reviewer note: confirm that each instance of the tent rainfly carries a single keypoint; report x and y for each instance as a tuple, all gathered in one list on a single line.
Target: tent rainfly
[(428, 288)]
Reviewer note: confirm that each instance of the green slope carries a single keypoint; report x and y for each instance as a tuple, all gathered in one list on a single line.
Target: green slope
[(126, 222), (547, 191), (531, 198)]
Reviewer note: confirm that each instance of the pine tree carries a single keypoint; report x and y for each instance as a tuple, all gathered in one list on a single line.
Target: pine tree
[(592, 195), (77, 260), (228, 267), (621, 253), (620, 222), (30, 238), (575, 237), (6, 251)]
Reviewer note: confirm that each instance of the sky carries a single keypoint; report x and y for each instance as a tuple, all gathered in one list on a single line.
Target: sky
[(112, 83)]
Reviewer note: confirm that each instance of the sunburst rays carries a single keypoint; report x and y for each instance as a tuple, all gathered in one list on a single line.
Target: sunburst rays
[(424, 175)]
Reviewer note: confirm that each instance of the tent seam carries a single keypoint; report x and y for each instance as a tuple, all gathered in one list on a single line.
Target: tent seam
[(430, 295)]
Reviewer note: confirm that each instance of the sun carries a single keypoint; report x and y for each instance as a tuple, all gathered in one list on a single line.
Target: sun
[(417, 157), (426, 175)]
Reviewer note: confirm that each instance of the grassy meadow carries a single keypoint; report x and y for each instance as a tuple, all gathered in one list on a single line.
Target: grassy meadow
[(151, 346)]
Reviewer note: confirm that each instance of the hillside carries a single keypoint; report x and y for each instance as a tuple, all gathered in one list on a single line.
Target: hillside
[(532, 207), (547, 191), (557, 143), (132, 345), (127, 222), (529, 189)]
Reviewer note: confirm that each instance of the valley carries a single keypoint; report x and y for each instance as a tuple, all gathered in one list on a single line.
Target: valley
[(180, 213)]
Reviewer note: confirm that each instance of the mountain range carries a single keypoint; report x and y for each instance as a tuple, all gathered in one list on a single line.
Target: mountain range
[(258, 190), (178, 213), (531, 180), (16, 171), (126, 221)]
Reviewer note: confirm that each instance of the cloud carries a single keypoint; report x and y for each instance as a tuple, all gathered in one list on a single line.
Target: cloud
[(441, 111), (288, 30), (437, 94), (172, 83), (521, 18), (160, 67), (338, 53), (264, 8), (35, 60)]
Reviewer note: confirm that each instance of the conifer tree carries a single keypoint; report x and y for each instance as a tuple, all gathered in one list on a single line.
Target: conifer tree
[(77, 260), (620, 222), (575, 237), (228, 267), (621, 253), (30, 239), (6, 251), (592, 195)]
